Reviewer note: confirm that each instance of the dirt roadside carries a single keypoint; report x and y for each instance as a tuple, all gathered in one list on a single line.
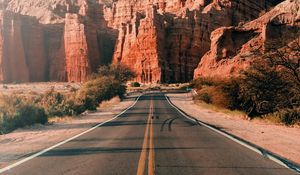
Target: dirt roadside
[(25, 141), (279, 139)]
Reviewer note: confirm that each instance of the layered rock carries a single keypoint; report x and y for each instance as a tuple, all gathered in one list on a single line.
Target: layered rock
[(51, 40), (161, 40), (143, 49), (233, 49), (186, 29), (16, 47)]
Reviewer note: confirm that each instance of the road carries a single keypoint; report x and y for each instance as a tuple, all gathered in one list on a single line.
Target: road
[(150, 138)]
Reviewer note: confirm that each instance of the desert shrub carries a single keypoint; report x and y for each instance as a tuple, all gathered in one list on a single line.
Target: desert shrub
[(205, 97), (16, 112), (119, 72), (222, 93), (97, 90), (54, 103), (287, 116), (29, 114), (263, 90), (135, 84), (202, 81), (214, 95), (73, 105)]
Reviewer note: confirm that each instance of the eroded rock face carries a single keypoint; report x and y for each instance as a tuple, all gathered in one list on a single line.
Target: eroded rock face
[(13, 64), (233, 49), (50, 40), (161, 40), (184, 33)]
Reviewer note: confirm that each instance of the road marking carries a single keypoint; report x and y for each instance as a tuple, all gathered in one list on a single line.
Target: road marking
[(148, 138), (142, 160), (251, 147), (65, 141), (151, 164)]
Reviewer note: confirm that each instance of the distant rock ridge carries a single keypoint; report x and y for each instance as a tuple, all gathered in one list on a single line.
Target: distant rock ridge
[(233, 49), (161, 40)]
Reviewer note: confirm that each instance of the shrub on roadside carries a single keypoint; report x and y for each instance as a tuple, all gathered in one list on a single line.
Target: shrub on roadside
[(54, 103), (287, 116), (260, 91), (97, 90), (221, 93), (119, 72), (16, 112)]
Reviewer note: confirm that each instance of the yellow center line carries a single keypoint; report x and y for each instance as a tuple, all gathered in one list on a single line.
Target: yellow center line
[(142, 160), (151, 164)]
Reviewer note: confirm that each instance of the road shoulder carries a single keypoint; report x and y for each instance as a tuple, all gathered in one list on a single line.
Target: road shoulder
[(26, 141), (278, 139)]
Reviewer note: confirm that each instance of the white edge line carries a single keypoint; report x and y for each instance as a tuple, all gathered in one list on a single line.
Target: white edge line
[(65, 141), (269, 156)]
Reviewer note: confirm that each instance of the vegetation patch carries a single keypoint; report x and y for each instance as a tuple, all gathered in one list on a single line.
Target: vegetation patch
[(17, 111), (268, 89)]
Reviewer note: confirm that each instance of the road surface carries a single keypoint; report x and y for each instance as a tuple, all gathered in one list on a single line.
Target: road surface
[(150, 138)]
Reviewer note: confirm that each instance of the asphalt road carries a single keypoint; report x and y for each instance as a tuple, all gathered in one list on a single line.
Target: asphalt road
[(151, 138)]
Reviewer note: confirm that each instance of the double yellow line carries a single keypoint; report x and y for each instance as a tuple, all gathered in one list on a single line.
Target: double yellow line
[(146, 147)]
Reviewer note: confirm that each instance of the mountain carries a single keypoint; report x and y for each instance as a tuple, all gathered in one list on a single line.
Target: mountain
[(161, 40)]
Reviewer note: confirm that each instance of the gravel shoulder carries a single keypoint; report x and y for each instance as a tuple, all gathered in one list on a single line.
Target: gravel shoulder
[(23, 142), (279, 139)]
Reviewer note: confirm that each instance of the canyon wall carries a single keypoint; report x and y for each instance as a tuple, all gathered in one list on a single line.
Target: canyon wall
[(184, 33), (161, 40), (234, 49), (50, 41)]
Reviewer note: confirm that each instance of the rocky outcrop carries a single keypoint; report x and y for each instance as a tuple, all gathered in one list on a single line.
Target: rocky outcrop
[(56, 41), (233, 49), (185, 28), (143, 49), (21, 37), (161, 40)]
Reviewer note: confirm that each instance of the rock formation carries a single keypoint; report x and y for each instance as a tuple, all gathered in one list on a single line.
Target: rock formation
[(161, 40), (184, 29), (50, 40), (233, 49)]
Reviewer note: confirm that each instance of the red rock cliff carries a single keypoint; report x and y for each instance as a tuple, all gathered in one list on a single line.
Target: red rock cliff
[(162, 40), (234, 48), (185, 28)]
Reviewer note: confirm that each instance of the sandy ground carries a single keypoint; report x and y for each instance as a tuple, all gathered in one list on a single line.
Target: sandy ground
[(25, 141), (279, 139), (37, 88)]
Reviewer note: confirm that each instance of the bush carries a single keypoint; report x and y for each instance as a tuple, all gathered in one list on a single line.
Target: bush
[(103, 88), (214, 95), (221, 93), (287, 116), (29, 114), (16, 112), (53, 103), (202, 81), (135, 84), (263, 90), (259, 91), (119, 72)]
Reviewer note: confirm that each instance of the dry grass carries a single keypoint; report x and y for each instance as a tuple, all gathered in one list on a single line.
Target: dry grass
[(53, 120), (109, 103), (37, 88), (234, 113)]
